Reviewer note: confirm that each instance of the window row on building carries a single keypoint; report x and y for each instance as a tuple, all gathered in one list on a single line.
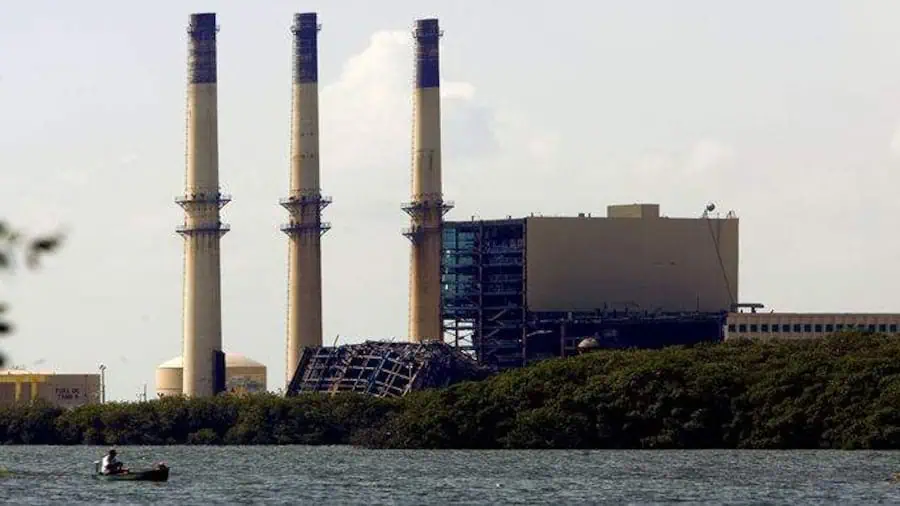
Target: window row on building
[(797, 324), (774, 328)]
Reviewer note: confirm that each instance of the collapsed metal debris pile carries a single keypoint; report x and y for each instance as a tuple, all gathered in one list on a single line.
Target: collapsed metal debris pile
[(383, 369)]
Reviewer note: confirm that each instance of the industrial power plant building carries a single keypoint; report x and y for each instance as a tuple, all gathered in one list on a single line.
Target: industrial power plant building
[(62, 390), (517, 290), (507, 292)]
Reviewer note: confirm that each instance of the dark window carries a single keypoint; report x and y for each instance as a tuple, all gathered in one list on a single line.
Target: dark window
[(807, 327), (774, 327), (872, 328), (742, 327), (893, 327), (731, 327), (754, 327), (829, 327), (818, 327), (840, 326), (764, 327), (786, 327), (797, 327), (882, 327)]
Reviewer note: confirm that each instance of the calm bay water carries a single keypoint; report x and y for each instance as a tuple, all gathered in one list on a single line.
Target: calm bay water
[(339, 475)]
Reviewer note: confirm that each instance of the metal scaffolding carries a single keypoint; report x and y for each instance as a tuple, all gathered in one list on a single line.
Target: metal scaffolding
[(483, 290), (382, 369)]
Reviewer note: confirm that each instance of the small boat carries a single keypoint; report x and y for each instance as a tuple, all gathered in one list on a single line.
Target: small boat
[(158, 473)]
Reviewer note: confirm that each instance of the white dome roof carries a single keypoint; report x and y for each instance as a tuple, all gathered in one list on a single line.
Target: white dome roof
[(231, 360), (588, 343), (174, 363)]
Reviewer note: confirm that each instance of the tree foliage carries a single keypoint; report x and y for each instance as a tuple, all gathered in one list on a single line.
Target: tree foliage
[(14, 245), (839, 392)]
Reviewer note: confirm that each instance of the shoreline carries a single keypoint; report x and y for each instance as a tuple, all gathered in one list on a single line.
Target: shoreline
[(840, 392)]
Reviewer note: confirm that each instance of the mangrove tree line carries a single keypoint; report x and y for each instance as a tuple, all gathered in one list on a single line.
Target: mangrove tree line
[(838, 392)]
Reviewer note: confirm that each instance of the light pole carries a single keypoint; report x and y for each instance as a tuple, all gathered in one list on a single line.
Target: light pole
[(102, 383)]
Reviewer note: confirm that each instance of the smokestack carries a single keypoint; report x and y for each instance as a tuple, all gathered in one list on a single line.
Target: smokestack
[(427, 208), (202, 201), (305, 202)]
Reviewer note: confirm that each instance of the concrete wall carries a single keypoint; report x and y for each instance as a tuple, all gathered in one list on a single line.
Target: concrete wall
[(63, 390), (7, 394), (645, 262), (245, 379), (70, 390), (806, 325)]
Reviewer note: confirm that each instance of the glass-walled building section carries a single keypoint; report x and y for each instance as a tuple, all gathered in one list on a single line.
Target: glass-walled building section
[(483, 289), (460, 297)]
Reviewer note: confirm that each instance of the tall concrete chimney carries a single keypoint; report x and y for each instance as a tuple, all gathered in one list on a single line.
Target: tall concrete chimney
[(202, 227), (427, 208), (305, 202)]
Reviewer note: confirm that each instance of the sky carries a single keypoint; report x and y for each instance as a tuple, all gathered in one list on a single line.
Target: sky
[(787, 113)]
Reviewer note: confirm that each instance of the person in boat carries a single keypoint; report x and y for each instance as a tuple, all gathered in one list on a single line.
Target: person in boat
[(111, 465)]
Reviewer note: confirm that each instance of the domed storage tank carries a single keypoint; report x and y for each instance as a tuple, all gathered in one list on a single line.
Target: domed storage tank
[(242, 374), (168, 378)]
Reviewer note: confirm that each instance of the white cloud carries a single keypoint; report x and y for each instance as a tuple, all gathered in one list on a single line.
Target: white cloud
[(708, 155), (706, 160), (366, 119)]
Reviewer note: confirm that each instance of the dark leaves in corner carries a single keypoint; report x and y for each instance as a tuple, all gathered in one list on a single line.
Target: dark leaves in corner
[(38, 247), (11, 243)]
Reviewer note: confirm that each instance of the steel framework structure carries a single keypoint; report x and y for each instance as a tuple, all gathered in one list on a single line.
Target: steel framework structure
[(483, 289), (484, 309), (382, 369)]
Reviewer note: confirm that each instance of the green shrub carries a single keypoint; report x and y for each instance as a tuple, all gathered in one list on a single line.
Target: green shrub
[(839, 392)]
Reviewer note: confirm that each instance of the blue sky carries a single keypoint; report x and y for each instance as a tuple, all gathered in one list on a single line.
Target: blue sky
[(786, 113)]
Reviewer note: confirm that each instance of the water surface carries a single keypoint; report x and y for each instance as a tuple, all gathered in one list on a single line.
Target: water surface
[(342, 475)]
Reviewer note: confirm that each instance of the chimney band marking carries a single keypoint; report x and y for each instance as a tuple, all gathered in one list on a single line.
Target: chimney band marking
[(427, 35), (306, 61), (202, 53)]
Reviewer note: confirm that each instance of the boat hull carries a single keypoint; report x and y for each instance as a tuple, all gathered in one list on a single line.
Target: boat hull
[(159, 474)]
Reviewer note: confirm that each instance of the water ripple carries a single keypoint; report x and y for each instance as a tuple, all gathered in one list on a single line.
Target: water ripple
[(336, 475)]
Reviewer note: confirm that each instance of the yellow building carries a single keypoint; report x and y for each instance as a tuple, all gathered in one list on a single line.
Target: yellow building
[(807, 325), (242, 375), (63, 390), (633, 258)]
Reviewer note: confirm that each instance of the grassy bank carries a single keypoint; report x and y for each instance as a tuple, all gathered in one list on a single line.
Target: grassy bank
[(841, 392)]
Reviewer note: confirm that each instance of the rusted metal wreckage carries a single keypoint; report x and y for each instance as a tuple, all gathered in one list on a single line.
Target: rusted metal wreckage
[(383, 369)]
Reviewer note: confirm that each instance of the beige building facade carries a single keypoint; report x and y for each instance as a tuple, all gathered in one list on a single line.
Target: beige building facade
[(633, 258), (807, 325), (63, 390)]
